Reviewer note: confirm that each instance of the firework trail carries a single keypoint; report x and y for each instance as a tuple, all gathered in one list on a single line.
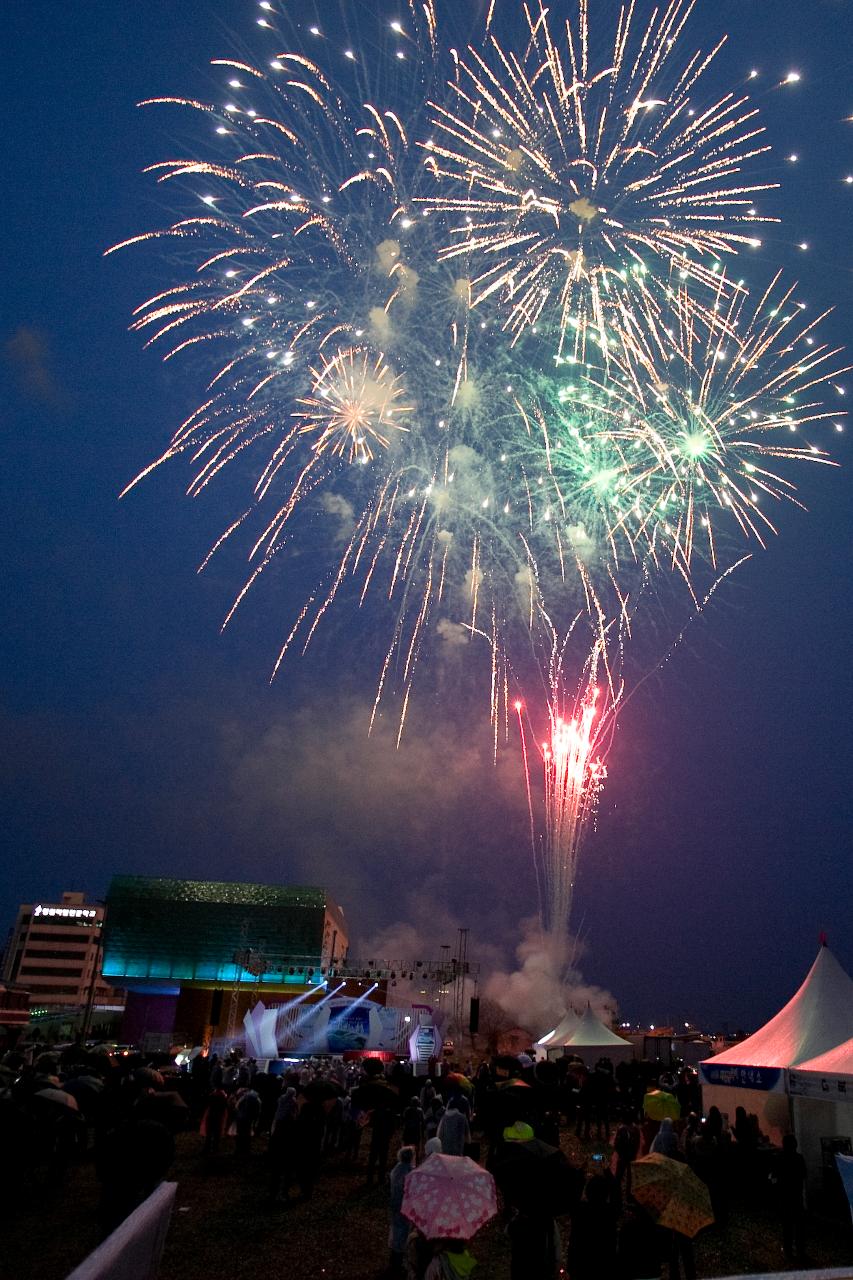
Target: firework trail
[(574, 771)]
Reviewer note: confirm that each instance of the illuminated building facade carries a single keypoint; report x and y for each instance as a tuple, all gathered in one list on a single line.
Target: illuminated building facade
[(194, 954), (54, 950)]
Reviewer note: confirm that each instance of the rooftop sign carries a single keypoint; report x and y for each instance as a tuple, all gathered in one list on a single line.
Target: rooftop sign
[(74, 913)]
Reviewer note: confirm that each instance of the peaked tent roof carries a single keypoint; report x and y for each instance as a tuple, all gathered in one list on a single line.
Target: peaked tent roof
[(818, 1018), (564, 1028), (835, 1062), (591, 1033)]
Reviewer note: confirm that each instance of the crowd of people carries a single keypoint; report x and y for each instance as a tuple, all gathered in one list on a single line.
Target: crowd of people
[(381, 1122)]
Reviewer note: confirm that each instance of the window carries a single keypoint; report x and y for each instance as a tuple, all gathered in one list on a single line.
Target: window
[(50, 990), (40, 970), (36, 953), (59, 935)]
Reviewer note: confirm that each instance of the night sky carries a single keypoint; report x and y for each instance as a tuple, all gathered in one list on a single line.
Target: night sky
[(137, 739)]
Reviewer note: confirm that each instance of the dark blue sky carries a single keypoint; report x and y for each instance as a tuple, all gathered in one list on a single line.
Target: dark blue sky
[(138, 739)]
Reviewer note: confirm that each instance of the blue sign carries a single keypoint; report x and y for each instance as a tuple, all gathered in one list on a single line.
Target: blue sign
[(764, 1078), (349, 1027)]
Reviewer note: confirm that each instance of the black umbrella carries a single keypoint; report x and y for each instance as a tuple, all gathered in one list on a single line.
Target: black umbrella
[(508, 1064), (83, 1085), (88, 1092), (166, 1108), (374, 1093), (56, 1098), (537, 1178), (148, 1077), (322, 1090)]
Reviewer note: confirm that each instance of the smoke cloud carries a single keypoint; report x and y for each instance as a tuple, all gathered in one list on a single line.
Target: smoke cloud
[(334, 504), (454, 635), (28, 354), (546, 983)]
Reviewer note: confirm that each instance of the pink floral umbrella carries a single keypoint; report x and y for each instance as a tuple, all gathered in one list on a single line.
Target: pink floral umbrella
[(449, 1197)]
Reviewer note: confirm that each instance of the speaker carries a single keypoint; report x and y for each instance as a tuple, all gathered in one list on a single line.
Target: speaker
[(216, 1008), (474, 1016)]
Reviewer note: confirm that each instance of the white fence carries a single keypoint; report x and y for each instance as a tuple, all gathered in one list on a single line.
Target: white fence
[(134, 1249)]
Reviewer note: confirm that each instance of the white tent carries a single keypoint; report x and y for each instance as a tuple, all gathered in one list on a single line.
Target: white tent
[(836, 1063), (592, 1040), (564, 1028), (821, 1091), (752, 1074)]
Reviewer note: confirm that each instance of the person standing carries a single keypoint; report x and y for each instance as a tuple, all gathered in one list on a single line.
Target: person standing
[(400, 1226), (453, 1130), (534, 1247), (382, 1126), (626, 1148), (665, 1141), (306, 1136), (707, 1160), (413, 1127), (246, 1115), (791, 1188), (451, 1261), (592, 1242), (214, 1120)]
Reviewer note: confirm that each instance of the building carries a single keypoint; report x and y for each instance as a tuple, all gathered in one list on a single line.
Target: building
[(54, 950), (14, 1012), (196, 956)]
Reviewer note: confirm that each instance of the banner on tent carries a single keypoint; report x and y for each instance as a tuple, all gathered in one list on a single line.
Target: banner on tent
[(809, 1084), (768, 1079)]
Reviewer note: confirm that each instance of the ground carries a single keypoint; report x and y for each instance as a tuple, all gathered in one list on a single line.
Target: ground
[(222, 1227)]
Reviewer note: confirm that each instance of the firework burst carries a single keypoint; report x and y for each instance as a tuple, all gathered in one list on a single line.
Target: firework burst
[(582, 188), (355, 406), (700, 427)]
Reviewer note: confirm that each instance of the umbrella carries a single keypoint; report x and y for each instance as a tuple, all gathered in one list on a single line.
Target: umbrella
[(170, 1100), (149, 1077), (515, 1096), (507, 1063), (658, 1104), (449, 1197), (59, 1097), (167, 1108), (374, 1093), (87, 1090), (83, 1085), (537, 1178), (673, 1193), (461, 1082), (322, 1090)]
